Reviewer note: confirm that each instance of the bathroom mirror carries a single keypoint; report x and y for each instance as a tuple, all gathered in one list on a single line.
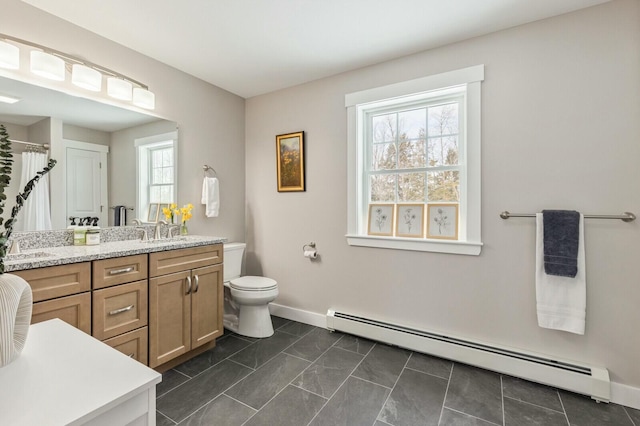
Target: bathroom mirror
[(82, 135)]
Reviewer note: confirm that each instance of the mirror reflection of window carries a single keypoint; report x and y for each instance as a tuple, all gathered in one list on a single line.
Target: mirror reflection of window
[(161, 174), (156, 170)]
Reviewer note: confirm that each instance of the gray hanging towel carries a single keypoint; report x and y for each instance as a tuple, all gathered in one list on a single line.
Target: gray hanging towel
[(561, 237), (119, 216)]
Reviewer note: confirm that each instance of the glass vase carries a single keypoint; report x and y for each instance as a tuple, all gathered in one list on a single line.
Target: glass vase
[(183, 229)]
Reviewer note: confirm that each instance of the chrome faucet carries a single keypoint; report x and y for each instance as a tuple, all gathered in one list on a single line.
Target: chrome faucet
[(158, 235), (136, 221)]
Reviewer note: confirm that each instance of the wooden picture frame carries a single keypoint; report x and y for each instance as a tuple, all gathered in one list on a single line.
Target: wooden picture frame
[(442, 221), (409, 220), (154, 211), (290, 162), (381, 219)]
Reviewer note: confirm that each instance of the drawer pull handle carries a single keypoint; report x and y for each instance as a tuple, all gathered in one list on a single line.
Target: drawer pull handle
[(121, 271), (188, 285), (121, 310), (131, 355), (195, 287)]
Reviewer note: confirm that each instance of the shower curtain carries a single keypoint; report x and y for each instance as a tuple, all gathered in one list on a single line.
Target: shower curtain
[(36, 212)]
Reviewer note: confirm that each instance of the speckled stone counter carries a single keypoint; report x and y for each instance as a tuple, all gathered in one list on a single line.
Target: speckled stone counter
[(43, 256)]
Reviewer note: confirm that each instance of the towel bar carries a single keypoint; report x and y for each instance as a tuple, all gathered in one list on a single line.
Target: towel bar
[(625, 217), (206, 168)]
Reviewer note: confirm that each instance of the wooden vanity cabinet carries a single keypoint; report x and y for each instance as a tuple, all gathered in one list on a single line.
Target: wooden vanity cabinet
[(61, 292), (185, 301), (120, 304)]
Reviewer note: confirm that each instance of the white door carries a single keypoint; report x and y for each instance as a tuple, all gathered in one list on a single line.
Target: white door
[(84, 184)]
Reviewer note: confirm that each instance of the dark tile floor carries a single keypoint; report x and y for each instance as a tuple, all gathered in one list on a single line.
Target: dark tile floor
[(304, 375)]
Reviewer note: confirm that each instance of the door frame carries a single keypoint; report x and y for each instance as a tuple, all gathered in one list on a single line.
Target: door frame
[(104, 195)]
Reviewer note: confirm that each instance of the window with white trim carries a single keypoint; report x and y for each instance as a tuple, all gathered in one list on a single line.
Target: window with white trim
[(156, 172), (414, 158)]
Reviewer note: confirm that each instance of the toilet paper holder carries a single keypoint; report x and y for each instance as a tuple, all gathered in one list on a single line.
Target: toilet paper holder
[(309, 250)]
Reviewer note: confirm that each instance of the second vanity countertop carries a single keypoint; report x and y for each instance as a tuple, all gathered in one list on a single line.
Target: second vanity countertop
[(53, 256)]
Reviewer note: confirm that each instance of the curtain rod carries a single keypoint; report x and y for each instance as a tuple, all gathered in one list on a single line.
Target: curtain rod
[(625, 217), (45, 145)]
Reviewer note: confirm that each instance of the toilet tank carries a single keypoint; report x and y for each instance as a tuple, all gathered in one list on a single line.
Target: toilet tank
[(233, 260)]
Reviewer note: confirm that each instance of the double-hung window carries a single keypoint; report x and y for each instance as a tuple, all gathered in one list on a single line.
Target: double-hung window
[(157, 174), (161, 173), (414, 164)]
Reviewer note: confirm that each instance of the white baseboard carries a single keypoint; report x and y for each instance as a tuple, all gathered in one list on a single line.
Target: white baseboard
[(294, 314), (620, 394), (625, 395)]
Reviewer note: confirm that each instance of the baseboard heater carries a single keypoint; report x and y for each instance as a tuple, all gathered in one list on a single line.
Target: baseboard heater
[(574, 377)]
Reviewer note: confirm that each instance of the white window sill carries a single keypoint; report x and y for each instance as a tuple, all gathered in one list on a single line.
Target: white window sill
[(396, 243)]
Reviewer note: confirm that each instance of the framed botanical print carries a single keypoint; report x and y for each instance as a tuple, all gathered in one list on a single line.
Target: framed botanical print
[(380, 219), (410, 220), (154, 210), (442, 221)]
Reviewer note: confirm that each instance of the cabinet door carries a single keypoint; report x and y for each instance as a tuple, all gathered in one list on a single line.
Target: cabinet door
[(207, 299), (74, 310), (169, 317)]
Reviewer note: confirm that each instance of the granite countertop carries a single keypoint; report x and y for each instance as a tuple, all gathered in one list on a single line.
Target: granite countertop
[(62, 255)]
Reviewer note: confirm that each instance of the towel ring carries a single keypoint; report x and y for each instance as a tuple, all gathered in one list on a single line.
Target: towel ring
[(206, 168)]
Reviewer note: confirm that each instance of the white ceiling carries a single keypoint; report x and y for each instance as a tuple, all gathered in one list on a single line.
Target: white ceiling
[(251, 47)]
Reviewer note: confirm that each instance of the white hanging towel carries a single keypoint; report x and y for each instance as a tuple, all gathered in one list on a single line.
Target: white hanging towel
[(561, 301), (211, 196)]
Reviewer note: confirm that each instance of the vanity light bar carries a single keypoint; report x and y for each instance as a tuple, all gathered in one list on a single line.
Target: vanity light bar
[(53, 64)]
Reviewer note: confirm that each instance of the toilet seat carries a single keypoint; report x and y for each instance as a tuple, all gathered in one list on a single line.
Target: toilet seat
[(250, 283)]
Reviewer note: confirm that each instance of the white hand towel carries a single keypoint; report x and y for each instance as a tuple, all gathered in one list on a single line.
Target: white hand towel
[(561, 301), (211, 196)]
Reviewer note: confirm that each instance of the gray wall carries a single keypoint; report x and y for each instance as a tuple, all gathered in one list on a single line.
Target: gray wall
[(560, 130), (211, 120)]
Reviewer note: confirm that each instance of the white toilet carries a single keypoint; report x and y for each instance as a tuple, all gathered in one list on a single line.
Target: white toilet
[(246, 299)]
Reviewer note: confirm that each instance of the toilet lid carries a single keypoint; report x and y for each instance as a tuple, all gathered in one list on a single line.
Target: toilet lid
[(253, 283)]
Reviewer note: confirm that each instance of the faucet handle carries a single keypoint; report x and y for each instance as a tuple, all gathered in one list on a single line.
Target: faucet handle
[(172, 228), (145, 236), (15, 247)]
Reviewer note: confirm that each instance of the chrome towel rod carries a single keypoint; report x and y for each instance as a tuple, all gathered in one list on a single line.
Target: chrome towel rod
[(625, 217)]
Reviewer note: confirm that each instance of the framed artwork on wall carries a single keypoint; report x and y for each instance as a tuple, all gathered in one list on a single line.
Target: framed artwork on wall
[(410, 220), (442, 221), (380, 219), (290, 162)]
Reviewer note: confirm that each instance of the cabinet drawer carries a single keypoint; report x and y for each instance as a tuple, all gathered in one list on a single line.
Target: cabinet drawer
[(133, 344), (170, 261), (74, 310), (119, 309), (119, 270), (57, 281)]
